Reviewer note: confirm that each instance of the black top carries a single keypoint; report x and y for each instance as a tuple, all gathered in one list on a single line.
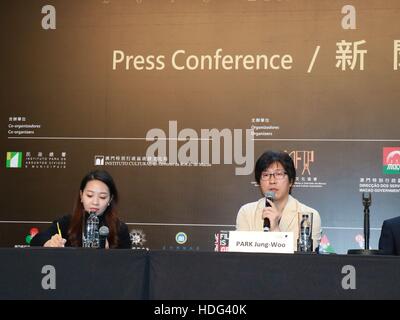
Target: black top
[(124, 241), (389, 241)]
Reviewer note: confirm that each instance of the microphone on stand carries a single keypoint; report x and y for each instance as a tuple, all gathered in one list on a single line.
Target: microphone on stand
[(103, 234), (366, 199), (269, 195)]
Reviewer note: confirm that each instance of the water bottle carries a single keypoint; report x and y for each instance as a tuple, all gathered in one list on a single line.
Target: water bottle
[(305, 242), (92, 239)]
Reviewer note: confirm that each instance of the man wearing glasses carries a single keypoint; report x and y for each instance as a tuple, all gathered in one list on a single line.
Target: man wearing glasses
[(275, 172)]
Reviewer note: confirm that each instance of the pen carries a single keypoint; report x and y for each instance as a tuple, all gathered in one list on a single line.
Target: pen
[(59, 231)]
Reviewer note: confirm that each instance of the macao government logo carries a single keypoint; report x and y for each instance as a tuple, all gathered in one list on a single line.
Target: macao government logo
[(14, 159), (391, 160)]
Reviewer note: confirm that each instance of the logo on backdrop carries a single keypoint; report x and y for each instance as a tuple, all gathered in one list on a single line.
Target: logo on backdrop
[(181, 238), (32, 232), (14, 159), (391, 160), (325, 246), (36, 160), (303, 161), (221, 241), (138, 238), (99, 160), (181, 243), (390, 166), (127, 160)]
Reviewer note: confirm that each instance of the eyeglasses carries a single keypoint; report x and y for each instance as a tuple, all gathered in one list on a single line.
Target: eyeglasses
[(278, 175)]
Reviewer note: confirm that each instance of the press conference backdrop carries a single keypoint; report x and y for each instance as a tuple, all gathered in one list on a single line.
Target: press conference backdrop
[(177, 99)]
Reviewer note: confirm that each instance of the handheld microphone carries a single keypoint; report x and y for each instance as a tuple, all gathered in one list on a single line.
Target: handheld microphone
[(269, 195), (103, 234)]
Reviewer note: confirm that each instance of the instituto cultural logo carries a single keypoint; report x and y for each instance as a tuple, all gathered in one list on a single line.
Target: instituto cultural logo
[(99, 160)]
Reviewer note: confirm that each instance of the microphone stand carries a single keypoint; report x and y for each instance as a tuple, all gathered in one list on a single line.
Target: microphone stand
[(366, 199), (367, 203)]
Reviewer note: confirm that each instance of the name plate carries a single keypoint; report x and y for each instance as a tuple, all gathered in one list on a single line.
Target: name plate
[(252, 241)]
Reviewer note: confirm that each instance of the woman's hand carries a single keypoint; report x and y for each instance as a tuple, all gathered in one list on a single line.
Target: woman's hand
[(56, 241)]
